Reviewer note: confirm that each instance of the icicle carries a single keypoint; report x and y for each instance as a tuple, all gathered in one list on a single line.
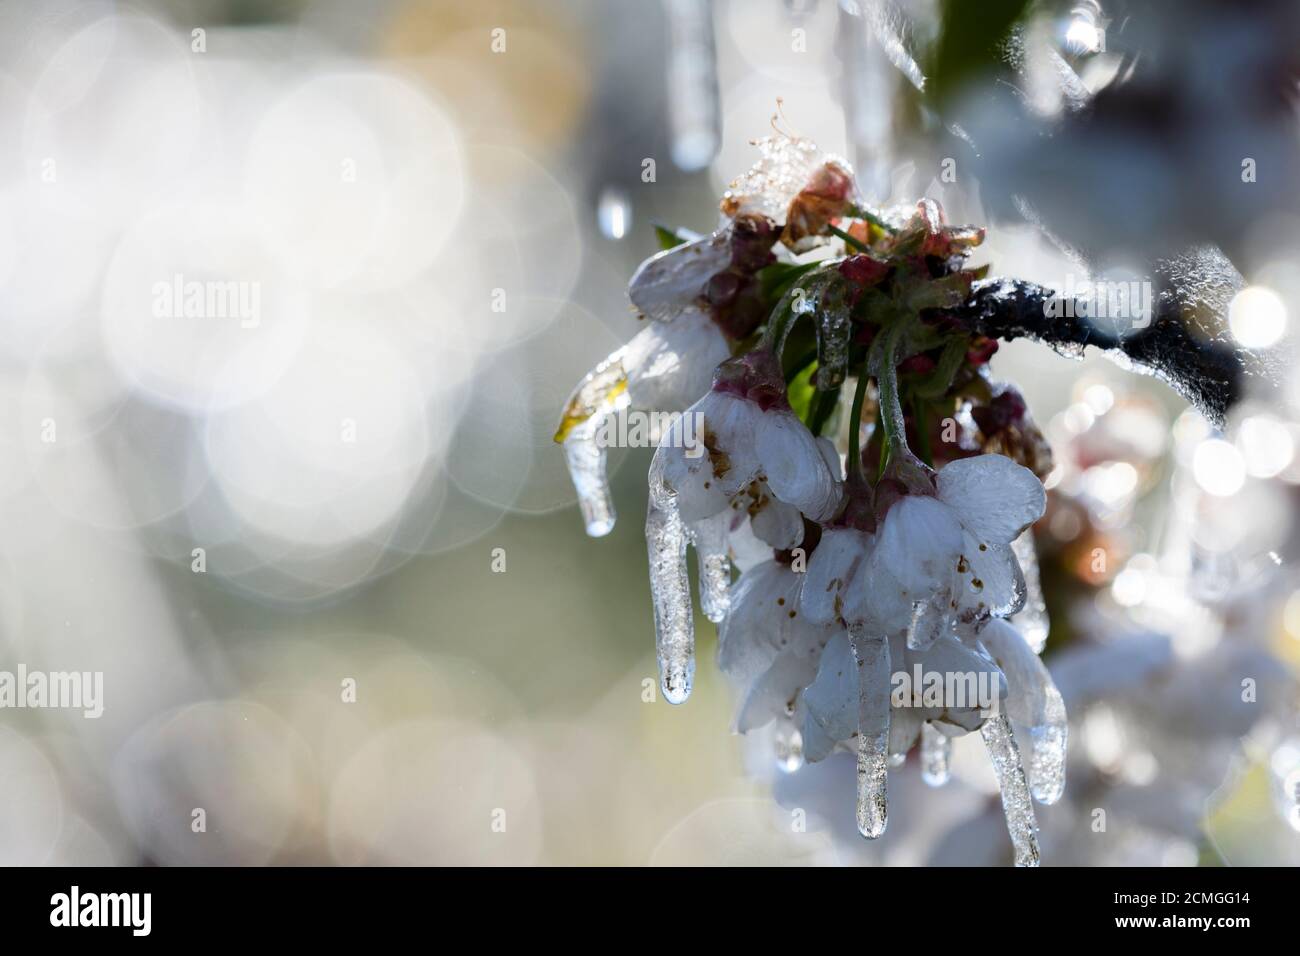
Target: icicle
[(671, 591), (586, 460), (872, 656), (1035, 708), (710, 540), (601, 394), (869, 83), (833, 331), (1016, 804), (693, 101), (936, 755), (1031, 620), (1047, 753)]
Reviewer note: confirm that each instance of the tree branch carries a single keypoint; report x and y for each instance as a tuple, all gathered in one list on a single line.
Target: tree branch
[(1206, 369)]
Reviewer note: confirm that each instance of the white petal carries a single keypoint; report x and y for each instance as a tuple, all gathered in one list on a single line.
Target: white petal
[(668, 282), (914, 559), (747, 549), (758, 626), (778, 524), (972, 672), (988, 581), (793, 464), (830, 572), (995, 498), (670, 365), (731, 426), (831, 700), (774, 693)]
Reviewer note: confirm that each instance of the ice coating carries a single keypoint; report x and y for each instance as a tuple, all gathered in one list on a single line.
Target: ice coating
[(871, 654), (833, 332), (787, 743), (1031, 620), (1034, 707), (586, 460), (667, 283), (927, 624), (936, 756), (670, 589), (1016, 803), (601, 393), (1047, 757), (712, 555), (769, 186)]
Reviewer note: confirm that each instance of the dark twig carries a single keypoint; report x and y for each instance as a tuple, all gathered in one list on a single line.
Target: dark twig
[(1207, 370)]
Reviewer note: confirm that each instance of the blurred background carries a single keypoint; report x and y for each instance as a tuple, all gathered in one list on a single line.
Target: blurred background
[(316, 535)]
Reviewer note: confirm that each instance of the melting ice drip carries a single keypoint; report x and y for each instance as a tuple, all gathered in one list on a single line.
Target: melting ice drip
[(1016, 804), (601, 394), (936, 756), (871, 653), (1031, 620), (667, 537)]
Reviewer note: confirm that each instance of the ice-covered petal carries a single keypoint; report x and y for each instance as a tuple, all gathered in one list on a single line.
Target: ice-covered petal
[(773, 694), (830, 702), (747, 549), (987, 581), (915, 553), (763, 622), (670, 365), (586, 459), (705, 478), (1031, 620), (671, 280), (776, 523), (994, 498), (794, 467), (830, 572), (973, 684), (831, 456), (1034, 706), (904, 727)]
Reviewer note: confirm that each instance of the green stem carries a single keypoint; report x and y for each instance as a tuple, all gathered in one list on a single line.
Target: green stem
[(855, 428), (858, 213), (920, 411), (849, 240), (820, 410), (891, 410)]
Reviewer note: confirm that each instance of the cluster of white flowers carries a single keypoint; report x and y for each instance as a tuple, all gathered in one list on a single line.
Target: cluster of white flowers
[(842, 579)]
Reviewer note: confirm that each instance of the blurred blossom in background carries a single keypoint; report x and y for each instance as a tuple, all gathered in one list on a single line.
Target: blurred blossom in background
[(292, 294)]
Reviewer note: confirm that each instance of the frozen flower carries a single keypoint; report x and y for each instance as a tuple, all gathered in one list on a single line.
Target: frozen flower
[(793, 183), (757, 457), (714, 273), (767, 648), (749, 433), (946, 559), (665, 367)]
